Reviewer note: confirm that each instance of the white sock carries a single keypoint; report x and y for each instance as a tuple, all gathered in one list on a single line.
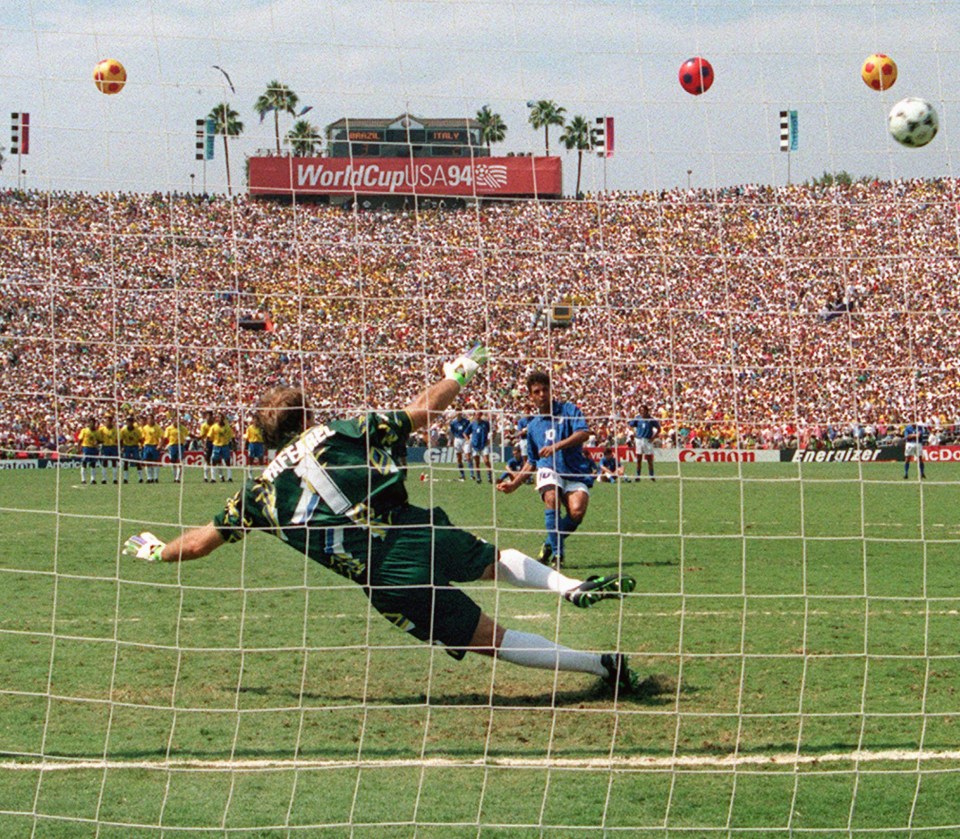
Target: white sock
[(529, 650), (520, 570)]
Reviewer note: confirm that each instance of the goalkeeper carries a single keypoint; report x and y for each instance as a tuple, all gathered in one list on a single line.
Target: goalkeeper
[(335, 494)]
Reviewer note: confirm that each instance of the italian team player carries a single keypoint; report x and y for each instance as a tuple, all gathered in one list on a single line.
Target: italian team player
[(914, 435), (555, 438)]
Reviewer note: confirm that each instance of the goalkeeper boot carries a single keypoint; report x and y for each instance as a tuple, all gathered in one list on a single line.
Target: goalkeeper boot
[(594, 589), (621, 680)]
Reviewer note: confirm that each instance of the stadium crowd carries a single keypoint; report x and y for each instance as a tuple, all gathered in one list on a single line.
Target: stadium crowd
[(749, 316)]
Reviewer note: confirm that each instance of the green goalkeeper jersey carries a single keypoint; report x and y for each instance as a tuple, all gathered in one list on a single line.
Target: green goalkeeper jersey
[(329, 494)]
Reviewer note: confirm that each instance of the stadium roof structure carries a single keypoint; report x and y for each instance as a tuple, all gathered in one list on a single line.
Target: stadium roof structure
[(404, 121)]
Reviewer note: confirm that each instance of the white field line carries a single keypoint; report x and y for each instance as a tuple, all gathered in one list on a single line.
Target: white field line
[(623, 763), (735, 614)]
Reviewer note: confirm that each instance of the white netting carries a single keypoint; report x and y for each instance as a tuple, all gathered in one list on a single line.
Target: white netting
[(805, 611)]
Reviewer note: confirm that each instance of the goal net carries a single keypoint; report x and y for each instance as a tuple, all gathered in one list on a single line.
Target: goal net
[(342, 197)]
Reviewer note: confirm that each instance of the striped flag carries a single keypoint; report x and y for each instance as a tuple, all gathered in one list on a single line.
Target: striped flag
[(789, 131)]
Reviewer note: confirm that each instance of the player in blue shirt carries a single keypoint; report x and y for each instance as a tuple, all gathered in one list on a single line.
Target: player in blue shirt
[(459, 434), (555, 438), (480, 445), (514, 465), (914, 435), (610, 469), (645, 430)]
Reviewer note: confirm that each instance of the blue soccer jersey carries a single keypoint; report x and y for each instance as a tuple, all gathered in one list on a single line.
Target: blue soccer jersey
[(459, 427), (564, 419), (644, 429), (916, 433), (479, 434)]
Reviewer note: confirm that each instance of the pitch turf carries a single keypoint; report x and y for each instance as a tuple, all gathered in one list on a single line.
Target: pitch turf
[(810, 621)]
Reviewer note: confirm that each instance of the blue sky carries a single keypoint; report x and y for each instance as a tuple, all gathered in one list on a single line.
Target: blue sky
[(443, 58)]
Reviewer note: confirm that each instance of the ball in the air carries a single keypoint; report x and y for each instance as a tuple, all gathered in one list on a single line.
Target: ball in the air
[(879, 71), (696, 75), (109, 76), (913, 122)]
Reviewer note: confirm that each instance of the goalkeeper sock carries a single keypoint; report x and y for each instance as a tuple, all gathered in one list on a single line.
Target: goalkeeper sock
[(529, 650), (520, 570)]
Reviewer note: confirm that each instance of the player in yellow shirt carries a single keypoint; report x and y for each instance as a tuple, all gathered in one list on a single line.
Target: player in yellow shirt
[(221, 435), (152, 438), (130, 440), (203, 434), (89, 440), (253, 437), (176, 436), (109, 447)]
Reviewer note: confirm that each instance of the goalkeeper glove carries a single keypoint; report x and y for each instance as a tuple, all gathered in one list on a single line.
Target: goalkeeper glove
[(144, 546), (464, 368)]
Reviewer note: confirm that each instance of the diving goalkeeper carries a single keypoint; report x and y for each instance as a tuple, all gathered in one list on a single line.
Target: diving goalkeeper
[(334, 494)]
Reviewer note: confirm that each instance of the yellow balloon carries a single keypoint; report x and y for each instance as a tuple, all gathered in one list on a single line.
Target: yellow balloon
[(109, 76), (879, 71)]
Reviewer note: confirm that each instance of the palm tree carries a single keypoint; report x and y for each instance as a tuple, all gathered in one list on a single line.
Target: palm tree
[(492, 127), (543, 114), (576, 136), (304, 138), (226, 122), (277, 97)]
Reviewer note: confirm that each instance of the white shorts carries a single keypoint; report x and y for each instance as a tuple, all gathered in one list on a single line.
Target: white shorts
[(461, 445), (913, 450), (484, 452), (549, 478), (644, 446), (523, 447)]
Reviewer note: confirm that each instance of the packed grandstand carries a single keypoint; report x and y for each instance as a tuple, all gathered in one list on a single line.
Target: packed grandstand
[(748, 316)]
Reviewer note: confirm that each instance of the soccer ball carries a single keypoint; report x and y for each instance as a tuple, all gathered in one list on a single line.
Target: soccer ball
[(913, 122), (879, 71), (109, 76), (696, 75)]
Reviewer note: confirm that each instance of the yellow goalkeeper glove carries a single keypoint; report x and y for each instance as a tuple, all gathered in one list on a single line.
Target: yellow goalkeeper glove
[(144, 546), (464, 368)]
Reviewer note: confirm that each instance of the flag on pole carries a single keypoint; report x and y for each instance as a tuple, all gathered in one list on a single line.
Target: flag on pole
[(601, 136), (20, 133), (789, 131)]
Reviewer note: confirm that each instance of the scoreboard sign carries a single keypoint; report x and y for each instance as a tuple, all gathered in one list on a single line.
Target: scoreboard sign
[(448, 135), (366, 136), (427, 176)]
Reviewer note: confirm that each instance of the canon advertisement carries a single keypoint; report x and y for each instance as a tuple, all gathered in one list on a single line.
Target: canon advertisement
[(427, 176)]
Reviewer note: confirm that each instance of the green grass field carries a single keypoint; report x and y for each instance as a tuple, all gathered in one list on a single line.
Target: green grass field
[(810, 619)]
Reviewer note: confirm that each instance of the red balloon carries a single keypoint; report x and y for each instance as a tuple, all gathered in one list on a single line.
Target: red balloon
[(696, 75)]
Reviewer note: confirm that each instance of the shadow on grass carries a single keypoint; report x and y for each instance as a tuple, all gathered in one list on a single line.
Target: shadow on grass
[(563, 698)]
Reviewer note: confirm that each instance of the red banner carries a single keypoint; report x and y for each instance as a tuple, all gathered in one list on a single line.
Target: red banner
[(942, 454), (428, 176)]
